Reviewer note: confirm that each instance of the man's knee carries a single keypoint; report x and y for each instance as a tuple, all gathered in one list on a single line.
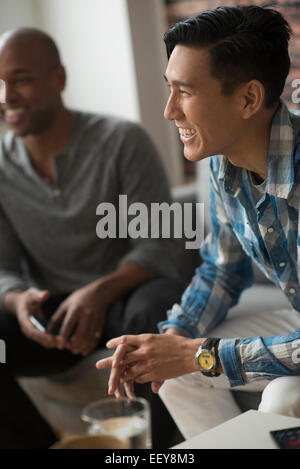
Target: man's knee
[(282, 396)]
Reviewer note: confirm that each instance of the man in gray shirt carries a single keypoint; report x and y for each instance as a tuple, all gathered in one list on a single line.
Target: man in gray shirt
[(56, 166)]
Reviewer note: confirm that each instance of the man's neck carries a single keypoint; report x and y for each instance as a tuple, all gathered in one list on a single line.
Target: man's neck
[(53, 140), (43, 147), (252, 149)]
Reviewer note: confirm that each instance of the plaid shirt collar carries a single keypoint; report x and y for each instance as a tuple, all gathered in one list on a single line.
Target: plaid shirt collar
[(280, 177)]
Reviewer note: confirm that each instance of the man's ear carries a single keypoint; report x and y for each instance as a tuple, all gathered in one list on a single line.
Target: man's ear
[(252, 98), (61, 78)]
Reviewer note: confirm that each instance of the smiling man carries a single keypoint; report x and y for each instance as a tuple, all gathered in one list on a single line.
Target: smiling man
[(226, 72), (56, 166), (198, 107)]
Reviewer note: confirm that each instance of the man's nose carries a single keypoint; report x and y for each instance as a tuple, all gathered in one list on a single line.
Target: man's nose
[(172, 110)]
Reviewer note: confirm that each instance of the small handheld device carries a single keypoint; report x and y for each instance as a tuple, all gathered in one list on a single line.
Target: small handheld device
[(40, 324), (288, 438)]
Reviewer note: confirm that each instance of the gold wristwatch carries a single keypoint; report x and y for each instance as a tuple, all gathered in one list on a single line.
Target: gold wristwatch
[(206, 358)]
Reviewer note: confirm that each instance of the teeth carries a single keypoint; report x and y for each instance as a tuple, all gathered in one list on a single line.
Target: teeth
[(13, 112), (187, 132)]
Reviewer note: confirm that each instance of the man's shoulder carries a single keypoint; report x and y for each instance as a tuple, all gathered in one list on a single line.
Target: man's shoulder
[(106, 124)]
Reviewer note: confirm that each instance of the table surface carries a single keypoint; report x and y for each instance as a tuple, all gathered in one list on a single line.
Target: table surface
[(250, 430)]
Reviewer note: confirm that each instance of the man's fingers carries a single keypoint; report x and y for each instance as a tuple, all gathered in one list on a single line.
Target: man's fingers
[(104, 363), (132, 340), (115, 380), (117, 370), (69, 323), (156, 385), (144, 378), (44, 339), (129, 389), (134, 372), (56, 319), (34, 303), (84, 336), (132, 357), (121, 353), (38, 296), (88, 333)]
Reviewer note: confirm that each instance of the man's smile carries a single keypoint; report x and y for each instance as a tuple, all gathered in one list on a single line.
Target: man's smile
[(186, 134), (13, 115)]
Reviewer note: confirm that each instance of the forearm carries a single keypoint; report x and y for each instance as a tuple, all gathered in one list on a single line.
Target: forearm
[(126, 278)]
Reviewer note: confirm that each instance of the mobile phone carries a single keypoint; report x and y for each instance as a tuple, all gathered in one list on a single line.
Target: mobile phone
[(288, 438), (40, 324)]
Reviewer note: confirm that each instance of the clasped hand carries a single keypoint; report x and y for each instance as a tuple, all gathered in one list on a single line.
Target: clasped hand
[(79, 319), (147, 358)]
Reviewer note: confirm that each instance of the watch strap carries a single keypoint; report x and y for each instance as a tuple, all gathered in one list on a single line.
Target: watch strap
[(210, 343)]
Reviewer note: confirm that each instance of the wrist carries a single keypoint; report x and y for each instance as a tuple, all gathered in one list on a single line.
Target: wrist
[(190, 349), (11, 300), (101, 288), (219, 368), (207, 358)]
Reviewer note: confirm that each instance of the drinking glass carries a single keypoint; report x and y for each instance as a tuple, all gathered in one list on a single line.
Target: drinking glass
[(126, 422)]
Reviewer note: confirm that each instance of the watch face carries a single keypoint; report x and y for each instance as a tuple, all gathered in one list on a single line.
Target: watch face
[(206, 361)]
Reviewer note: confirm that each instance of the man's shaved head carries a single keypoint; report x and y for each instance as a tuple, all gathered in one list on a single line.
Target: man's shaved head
[(32, 80), (33, 38)]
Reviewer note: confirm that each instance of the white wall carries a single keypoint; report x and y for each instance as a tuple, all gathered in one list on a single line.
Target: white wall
[(95, 44), (16, 13), (148, 25), (115, 59)]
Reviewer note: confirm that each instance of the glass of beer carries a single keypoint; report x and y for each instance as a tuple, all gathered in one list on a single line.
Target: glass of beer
[(126, 422)]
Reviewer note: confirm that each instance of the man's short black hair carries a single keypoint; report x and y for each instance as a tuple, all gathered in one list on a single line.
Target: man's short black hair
[(245, 43)]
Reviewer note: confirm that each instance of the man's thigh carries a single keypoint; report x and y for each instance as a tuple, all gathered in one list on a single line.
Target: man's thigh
[(258, 323), (142, 309)]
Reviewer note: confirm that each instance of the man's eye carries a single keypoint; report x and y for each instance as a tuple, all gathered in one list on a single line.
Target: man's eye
[(184, 92), (23, 80)]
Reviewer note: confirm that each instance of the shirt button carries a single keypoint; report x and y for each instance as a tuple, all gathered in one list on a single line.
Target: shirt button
[(57, 192), (292, 290), (281, 264), (270, 229)]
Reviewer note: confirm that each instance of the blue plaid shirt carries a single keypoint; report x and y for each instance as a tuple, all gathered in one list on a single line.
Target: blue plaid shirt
[(268, 232)]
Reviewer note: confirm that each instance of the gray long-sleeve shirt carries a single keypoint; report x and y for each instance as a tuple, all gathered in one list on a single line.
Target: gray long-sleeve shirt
[(50, 229)]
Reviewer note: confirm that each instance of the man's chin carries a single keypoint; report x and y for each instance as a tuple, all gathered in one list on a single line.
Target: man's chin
[(19, 132), (195, 156), (23, 130)]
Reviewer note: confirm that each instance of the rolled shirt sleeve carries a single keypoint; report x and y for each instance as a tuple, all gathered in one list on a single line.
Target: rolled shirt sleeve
[(251, 359)]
